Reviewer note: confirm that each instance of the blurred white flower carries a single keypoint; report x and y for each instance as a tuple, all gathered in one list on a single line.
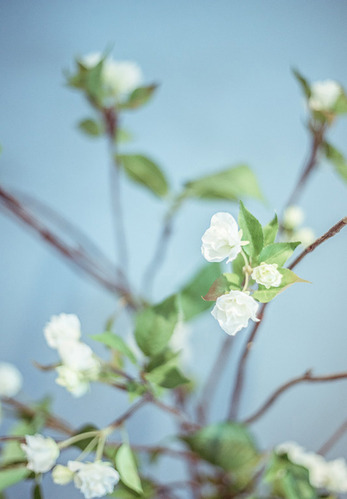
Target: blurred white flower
[(94, 479), (233, 311), (180, 340), (324, 95), (222, 239), (79, 357), (118, 77), (10, 380), (293, 216), (61, 328), (74, 381), (331, 475), (62, 475), (41, 453), (267, 275), (305, 235)]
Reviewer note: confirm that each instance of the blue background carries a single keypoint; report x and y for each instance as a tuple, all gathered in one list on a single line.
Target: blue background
[(226, 96)]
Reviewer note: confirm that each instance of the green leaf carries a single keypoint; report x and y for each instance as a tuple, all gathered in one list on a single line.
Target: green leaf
[(155, 325), (231, 184), (228, 445), (12, 476), (340, 106), (123, 136), (305, 86), (37, 493), (289, 480), (139, 97), (123, 492), (270, 231), (278, 253), (93, 82), (288, 278), (251, 231), (145, 172), (167, 376), (82, 444), (91, 127), (115, 342), (224, 284), (127, 469), (191, 301), (337, 160)]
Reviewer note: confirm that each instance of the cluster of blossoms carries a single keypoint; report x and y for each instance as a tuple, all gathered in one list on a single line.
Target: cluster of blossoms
[(79, 365), (223, 240), (94, 479), (293, 218), (329, 475), (324, 95), (10, 381)]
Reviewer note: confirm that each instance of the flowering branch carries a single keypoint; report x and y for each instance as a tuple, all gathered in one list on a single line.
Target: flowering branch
[(335, 437), (305, 378)]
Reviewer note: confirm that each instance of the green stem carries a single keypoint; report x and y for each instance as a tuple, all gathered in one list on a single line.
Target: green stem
[(77, 438)]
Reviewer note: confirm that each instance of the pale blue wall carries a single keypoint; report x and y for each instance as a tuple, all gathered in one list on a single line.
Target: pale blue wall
[(226, 95)]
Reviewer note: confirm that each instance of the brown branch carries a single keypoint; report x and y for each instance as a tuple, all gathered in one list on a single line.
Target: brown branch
[(235, 400), (305, 378), (175, 412), (335, 437), (128, 413)]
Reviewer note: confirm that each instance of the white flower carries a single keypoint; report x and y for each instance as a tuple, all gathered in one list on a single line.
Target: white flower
[(267, 275), (94, 479), (119, 78), (41, 453), (74, 381), (234, 310), (324, 95), (331, 475), (305, 235), (62, 475), (61, 328), (293, 217), (222, 239), (79, 357), (180, 340), (10, 380)]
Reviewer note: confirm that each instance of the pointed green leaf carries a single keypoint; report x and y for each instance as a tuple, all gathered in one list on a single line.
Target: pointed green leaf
[(91, 127), (278, 253), (191, 301), (167, 376), (340, 106), (270, 231), (252, 231), (37, 493), (155, 325), (127, 469), (115, 342), (11, 476), (288, 278), (139, 97), (337, 159), (123, 136), (231, 184), (305, 86), (224, 284), (145, 172)]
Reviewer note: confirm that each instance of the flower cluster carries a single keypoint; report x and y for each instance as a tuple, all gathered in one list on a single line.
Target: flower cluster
[(324, 95), (79, 364), (330, 475), (293, 218)]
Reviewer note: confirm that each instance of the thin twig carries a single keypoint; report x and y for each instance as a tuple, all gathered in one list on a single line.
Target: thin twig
[(305, 378), (129, 412), (335, 437), (175, 412)]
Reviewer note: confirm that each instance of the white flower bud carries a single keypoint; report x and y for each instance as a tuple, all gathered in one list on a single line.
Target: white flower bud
[(74, 381), (234, 310), (41, 453), (61, 328), (293, 217), (94, 479), (324, 95), (10, 380), (222, 239), (79, 357), (62, 475), (267, 275)]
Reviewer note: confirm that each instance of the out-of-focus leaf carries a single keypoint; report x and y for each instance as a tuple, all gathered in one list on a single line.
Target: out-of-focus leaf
[(115, 342), (37, 493), (305, 86), (127, 469), (225, 283), (91, 127), (337, 159), (139, 97), (144, 171), (12, 476)]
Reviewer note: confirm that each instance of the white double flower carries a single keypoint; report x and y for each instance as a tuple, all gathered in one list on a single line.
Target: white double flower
[(41, 453), (267, 275), (233, 311), (94, 479), (324, 95)]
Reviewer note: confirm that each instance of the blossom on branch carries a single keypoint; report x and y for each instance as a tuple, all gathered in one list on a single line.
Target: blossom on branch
[(267, 275), (94, 479), (61, 328), (41, 453), (10, 380), (324, 95), (234, 310)]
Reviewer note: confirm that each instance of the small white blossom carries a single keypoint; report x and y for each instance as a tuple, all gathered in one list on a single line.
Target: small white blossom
[(41, 453), (94, 479), (305, 235), (74, 381), (62, 475), (79, 357), (61, 328), (233, 311), (293, 217), (222, 239), (267, 275), (330, 475), (119, 78), (324, 95), (10, 380), (180, 340)]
